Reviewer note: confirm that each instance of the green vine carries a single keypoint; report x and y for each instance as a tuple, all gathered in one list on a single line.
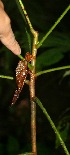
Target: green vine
[(52, 124), (53, 27), (6, 77), (52, 70)]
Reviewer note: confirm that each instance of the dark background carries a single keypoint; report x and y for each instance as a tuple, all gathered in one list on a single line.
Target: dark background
[(53, 89)]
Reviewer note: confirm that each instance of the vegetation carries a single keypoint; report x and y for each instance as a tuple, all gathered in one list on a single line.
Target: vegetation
[(50, 70)]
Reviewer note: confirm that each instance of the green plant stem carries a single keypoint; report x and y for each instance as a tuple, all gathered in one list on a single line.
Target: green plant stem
[(52, 125), (53, 27), (21, 57), (27, 19), (52, 70), (26, 15), (6, 77)]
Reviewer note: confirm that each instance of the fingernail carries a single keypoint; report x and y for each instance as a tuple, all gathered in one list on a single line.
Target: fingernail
[(18, 51)]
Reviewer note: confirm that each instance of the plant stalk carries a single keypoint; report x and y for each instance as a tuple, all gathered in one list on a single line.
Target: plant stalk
[(26, 15), (53, 27), (52, 125), (52, 70), (6, 77), (32, 80), (32, 94)]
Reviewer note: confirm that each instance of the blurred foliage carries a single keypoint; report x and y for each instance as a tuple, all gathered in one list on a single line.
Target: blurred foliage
[(15, 123), (53, 49), (64, 135), (12, 146)]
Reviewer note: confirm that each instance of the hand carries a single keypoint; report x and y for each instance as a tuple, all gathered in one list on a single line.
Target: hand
[(6, 34)]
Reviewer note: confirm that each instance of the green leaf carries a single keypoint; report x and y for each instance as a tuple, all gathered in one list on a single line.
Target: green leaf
[(49, 57), (28, 40), (56, 39), (58, 44), (12, 146), (63, 133)]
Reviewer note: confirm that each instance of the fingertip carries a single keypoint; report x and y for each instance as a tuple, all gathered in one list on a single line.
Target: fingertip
[(18, 51), (16, 48), (1, 4)]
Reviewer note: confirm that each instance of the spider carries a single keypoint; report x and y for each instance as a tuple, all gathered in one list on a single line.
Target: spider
[(21, 74)]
